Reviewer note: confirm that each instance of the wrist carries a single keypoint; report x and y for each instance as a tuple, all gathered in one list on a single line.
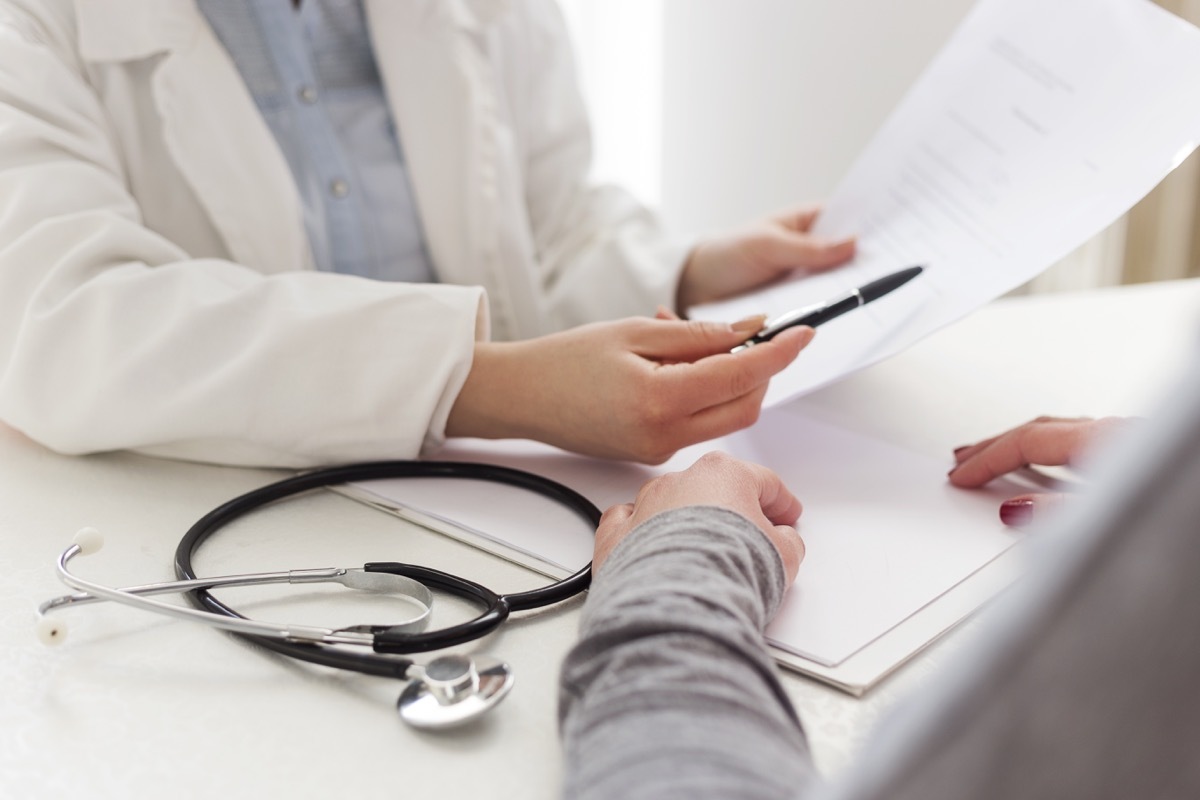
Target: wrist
[(495, 398), (721, 549), (708, 274), (687, 293)]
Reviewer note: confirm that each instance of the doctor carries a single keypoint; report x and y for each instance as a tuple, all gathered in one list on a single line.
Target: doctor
[(277, 234)]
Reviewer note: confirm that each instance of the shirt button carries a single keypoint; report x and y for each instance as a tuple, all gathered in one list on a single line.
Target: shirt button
[(339, 188), (307, 94)]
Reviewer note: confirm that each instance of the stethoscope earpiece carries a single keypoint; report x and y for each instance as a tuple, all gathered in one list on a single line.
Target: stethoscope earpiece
[(88, 540), (51, 631)]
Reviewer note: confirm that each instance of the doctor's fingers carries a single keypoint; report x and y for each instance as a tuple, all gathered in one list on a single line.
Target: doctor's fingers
[(724, 379), (800, 218), (783, 246), (723, 418), (671, 341)]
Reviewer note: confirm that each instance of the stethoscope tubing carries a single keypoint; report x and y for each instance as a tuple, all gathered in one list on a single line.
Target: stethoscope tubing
[(390, 642)]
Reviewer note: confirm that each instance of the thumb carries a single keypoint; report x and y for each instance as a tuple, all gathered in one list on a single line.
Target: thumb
[(791, 549), (616, 514), (662, 312)]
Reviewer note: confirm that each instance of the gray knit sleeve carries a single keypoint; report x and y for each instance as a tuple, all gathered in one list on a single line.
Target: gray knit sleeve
[(670, 691)]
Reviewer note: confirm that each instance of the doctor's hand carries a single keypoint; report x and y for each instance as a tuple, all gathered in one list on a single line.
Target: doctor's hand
[(1045, 441), (716, 479), (728, 265), (637, 389)]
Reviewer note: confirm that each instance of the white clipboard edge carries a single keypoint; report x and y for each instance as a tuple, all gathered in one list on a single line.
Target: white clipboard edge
[(862, 671)]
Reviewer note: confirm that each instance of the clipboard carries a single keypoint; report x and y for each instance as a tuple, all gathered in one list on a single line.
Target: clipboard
[(885, 629)]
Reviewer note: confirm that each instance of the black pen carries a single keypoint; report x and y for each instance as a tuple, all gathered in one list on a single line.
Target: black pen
[(812, 316)]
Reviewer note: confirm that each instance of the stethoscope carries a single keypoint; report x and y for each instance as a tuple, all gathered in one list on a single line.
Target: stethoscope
[(447, 691)]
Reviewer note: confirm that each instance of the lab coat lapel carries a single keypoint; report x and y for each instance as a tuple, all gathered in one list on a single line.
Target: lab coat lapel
[(424, 49), (211, 126)]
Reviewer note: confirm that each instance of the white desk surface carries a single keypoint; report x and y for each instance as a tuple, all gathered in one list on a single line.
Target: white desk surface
[(136, 706)]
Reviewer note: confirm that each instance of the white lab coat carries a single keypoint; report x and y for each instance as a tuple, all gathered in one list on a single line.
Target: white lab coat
[(156, 286)]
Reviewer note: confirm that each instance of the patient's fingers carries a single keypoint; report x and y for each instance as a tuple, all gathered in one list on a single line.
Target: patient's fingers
[(1025, 509), (1049, 441)]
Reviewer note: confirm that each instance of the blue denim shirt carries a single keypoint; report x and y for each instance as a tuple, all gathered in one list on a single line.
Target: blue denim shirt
[(313, 76)]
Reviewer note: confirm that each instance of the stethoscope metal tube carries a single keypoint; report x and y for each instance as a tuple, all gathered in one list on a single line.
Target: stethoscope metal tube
[(449, 690), (89, 540)]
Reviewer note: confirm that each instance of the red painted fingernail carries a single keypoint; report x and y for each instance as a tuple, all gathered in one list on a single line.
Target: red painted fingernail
[(1016, 513)]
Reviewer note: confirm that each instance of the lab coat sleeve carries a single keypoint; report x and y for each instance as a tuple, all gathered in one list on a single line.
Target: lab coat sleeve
[(602, 254), (113, 337)]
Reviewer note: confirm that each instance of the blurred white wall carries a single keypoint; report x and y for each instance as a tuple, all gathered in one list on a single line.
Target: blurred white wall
[(718, 111), (619, 44), (767, 102)]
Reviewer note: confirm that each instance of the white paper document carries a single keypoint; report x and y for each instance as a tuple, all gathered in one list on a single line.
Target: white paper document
[(1036, 126)]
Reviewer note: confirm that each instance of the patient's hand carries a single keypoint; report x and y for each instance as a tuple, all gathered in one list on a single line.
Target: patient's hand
[(1045, 441), (716, 479)]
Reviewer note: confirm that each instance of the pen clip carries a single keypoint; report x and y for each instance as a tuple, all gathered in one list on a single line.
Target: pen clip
[(785, 321)]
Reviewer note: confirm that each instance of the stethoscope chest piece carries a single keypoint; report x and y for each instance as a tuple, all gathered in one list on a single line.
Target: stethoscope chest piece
[(453, 690)]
